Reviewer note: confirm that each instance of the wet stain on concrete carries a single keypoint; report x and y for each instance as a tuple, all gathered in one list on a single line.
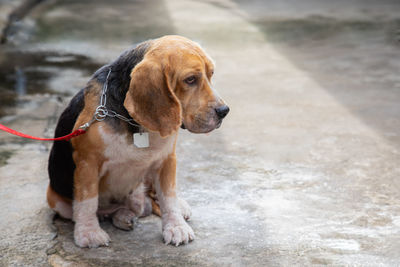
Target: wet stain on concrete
[(104, 21), (23, 73), (4, 156), (17, 15)]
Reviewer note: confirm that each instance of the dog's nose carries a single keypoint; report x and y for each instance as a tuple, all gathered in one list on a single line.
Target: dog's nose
[(222, 111)]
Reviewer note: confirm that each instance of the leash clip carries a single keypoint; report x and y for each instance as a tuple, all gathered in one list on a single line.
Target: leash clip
[(84, 126), (87, 125)]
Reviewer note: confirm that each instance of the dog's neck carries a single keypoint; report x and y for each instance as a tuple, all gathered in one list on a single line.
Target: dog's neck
[(118, 84)]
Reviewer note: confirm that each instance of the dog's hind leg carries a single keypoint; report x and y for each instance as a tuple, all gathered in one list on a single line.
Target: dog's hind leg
[(61, 205), (139, 202), (124, 219)]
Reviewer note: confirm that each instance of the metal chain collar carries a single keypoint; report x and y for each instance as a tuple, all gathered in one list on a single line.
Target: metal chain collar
[(102, 111)]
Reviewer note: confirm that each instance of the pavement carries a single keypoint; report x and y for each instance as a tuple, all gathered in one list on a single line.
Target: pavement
[(304, 170)]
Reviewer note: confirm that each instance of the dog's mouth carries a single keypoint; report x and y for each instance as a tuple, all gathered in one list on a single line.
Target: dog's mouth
[(202, 126), (219, 124)]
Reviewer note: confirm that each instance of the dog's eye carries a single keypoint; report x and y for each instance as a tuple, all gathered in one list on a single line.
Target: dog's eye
[(191, 80)]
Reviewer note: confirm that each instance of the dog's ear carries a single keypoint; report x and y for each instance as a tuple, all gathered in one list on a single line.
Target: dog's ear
[(150, 99)]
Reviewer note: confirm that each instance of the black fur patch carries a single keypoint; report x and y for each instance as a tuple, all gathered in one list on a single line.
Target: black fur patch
[(61, 165)]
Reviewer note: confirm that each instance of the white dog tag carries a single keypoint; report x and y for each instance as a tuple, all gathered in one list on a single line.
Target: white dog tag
[(141, 140)]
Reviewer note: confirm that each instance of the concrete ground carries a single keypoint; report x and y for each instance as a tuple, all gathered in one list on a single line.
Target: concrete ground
[(304, 170)]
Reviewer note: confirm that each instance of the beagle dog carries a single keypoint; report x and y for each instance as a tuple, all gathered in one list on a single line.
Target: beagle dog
[(124, 166)]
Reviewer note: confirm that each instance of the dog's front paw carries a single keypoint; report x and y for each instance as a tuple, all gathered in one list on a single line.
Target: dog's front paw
[(176, 231), (90, 235)]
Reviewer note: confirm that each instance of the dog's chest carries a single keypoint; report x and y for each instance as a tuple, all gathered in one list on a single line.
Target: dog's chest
[(126, 165)]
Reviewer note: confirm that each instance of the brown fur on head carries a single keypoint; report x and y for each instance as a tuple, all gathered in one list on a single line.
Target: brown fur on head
[(171, 86)]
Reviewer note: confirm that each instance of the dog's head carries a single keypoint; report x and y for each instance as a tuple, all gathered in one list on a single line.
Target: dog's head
[(171, 87)]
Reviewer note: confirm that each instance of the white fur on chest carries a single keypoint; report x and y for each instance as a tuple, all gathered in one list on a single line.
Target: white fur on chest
[(126, 165)]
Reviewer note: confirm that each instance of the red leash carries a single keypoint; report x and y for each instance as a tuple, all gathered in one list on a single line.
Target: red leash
[(68, 137)]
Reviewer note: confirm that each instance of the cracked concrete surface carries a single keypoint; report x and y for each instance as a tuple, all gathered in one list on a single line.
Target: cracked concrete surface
[(304, 170)]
